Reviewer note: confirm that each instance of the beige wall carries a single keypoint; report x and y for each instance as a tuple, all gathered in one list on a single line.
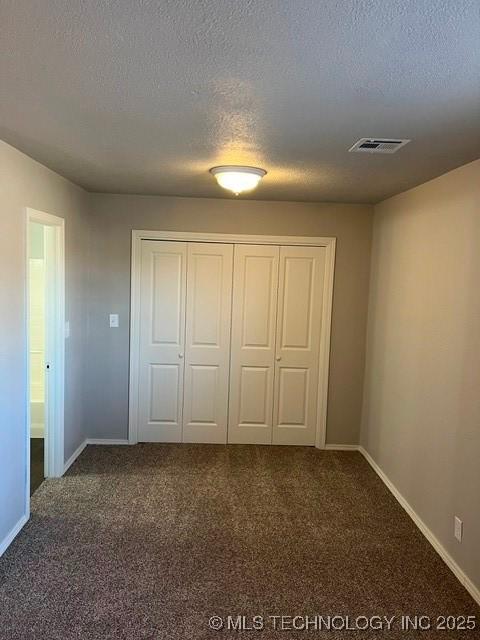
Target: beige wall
[(113, 218), (26, 183), (421, 419)]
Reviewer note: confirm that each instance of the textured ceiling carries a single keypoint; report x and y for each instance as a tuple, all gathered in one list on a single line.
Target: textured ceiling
[(145, 96)]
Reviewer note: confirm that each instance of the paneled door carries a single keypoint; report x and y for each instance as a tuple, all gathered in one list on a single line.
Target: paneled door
[(300, 300), (229, 341), (162, 341), (255, 284), (207, 347)]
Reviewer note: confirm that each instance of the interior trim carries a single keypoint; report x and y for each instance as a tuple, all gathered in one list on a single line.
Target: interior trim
[(74, 456), (473, 590), (106, 441), (341, 447), (10, 537), (461, 576)]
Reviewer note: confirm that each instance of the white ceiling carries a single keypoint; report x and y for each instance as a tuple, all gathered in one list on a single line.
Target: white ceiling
[(145, 96)]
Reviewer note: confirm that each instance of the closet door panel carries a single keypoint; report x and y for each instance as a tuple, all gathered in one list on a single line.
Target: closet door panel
[(255, 395), (207, 353), (293, 395), (162, 340), (300, 300), (255, 284)]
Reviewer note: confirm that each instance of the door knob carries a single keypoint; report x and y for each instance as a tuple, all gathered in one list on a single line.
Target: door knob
[(278, 358), (180, 355)]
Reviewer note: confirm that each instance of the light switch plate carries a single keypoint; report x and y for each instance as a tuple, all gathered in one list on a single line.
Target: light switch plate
[(114, 320), (67, 329)]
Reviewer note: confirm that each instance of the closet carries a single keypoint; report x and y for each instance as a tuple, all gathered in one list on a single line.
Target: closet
[(229, 342), (276, 326)]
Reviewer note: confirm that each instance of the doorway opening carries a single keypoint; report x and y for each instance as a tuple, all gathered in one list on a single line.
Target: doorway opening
[(46, 347)]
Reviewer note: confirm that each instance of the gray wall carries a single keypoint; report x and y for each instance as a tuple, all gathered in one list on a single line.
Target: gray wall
[(26, 183), (421, 420), (113, 218)]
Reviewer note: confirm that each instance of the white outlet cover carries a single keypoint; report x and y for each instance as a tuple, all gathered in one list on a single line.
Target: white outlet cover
[(114, 320), (458, 530)]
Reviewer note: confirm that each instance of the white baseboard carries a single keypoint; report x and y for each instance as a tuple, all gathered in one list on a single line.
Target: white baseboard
[(74, 456), (10, 537), (341, 447), (436, 544), (86, 442), (106, 441)]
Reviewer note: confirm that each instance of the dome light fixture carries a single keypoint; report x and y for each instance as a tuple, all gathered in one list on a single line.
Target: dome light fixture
[(238, 179)]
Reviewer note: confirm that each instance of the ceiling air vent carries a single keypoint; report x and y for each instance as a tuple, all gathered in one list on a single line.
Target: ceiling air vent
[(378, 145)]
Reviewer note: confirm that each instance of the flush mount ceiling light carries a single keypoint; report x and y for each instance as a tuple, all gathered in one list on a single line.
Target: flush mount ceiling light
[(238, 179)]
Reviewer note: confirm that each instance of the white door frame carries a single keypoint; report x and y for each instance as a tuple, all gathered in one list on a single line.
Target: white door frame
[(324, 354), (55, 358)]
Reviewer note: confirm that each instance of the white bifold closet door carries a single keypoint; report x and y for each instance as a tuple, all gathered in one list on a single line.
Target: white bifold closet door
[(207, 352), (185, 320), (162, 341), (276, 328), (254, 314), (214, 368), (300, 300)]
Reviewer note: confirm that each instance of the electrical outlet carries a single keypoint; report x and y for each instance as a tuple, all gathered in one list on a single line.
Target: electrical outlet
[(114, 322), (458, 529)]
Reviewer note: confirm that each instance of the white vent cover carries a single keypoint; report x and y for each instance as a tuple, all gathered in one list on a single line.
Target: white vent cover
[(378, 145)]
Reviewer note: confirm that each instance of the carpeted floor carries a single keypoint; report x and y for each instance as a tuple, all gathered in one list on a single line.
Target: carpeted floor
[(149, 542)]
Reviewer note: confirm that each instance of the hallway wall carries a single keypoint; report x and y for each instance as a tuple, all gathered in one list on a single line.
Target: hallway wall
[(26, 183), (421, 414)]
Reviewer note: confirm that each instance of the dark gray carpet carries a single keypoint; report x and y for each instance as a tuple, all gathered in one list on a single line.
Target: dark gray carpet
[(148, 542)]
